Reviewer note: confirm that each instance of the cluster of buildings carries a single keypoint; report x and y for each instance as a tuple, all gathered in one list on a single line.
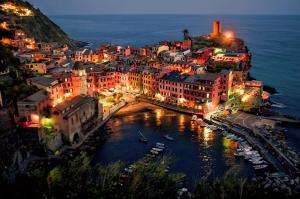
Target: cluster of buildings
[(20, 11), (79, 86)]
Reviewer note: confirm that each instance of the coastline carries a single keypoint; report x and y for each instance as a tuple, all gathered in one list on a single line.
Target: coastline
[(267, 88)]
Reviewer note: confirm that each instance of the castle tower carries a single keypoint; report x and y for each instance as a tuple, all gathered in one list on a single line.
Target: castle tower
[(216, 29)]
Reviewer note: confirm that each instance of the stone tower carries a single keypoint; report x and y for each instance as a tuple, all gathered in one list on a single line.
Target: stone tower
[(216, 29)]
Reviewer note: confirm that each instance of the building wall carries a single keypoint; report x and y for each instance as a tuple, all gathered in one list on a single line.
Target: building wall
[(203, 93), (31, 111), (73, 123), (150, 84), (172, 91), (40, 68), (226, 81), (135, 81)]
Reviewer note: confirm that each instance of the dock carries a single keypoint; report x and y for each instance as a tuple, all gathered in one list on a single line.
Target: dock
[(267, 149)]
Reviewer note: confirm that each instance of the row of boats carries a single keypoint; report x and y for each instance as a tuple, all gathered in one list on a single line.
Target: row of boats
[(154, 152), (157, 150), (247, 152), (244, 149)]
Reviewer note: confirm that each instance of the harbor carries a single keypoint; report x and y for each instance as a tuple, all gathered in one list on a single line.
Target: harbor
[(195, 150)]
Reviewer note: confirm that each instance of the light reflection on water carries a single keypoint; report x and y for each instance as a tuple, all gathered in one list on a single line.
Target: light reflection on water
[(197, 150)]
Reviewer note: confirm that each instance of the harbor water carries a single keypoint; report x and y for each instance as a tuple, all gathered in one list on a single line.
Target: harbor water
[(195, 151)]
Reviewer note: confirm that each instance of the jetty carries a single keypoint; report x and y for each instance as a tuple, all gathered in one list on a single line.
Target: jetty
[(255, 137)]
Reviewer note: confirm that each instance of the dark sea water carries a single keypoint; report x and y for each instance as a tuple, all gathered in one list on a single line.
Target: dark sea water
[(195, 151), (273, 40)]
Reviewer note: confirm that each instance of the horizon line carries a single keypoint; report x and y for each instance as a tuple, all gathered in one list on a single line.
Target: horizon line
[(187, 14)]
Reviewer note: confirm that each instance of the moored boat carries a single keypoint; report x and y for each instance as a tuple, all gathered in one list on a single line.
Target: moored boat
[(168, 137), (142, 138), (154, 152), (160, 145), (157, 149), (262, 166)]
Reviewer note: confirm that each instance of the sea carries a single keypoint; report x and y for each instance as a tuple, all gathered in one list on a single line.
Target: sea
[(274, 42)]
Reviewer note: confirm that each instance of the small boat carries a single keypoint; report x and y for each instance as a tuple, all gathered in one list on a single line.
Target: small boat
[(168, 137), (150, 156), (258, 162), (142, 138), (258, 167), (157, 149), (154, 152), (194, 118), (160, 144)]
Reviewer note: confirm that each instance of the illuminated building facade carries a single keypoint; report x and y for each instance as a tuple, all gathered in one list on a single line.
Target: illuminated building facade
[(150, 82), (70, 116), (38, 67), (171, 86), (136, 80), (31, 108), (202, 89)]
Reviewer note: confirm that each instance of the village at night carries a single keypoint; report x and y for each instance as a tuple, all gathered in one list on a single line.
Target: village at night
[(181, 118)]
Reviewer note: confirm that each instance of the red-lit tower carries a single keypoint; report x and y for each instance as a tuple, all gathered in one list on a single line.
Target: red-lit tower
[(216, 29)]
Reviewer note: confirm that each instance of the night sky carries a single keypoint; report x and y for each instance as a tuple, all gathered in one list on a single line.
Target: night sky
[(61, 7)]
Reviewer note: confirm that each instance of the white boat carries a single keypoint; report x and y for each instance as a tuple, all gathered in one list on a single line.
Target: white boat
[(258, 162), (238, 154), (258, 158), (142, 138), (160, 144), (258, 167), (168, 137), (150, 156), (154, 152), (157, 149)]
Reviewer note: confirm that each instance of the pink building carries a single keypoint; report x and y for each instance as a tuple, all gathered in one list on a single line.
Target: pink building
[(171, 87), (202, 91)]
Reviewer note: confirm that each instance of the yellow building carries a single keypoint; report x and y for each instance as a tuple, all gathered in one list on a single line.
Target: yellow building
[(40, 68)]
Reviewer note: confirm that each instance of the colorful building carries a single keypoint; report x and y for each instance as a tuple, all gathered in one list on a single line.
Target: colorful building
[(202, 91), (171, 87)]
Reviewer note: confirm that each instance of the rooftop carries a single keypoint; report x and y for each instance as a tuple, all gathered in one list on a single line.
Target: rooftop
[(208, 76), (44, 81), (175, 76), (39, 96), (69, 106), (199, 77)]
